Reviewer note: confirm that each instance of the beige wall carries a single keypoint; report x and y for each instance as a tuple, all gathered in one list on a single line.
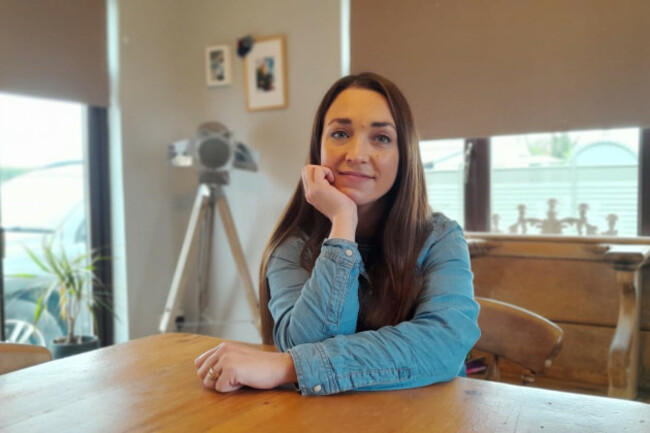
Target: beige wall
[(163, 97), (148, 105)]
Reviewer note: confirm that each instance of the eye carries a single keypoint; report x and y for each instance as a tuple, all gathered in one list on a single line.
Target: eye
[(339, 134), (383, 138)]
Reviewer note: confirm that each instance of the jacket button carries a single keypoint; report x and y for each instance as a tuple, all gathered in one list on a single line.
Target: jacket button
[(317, 388), (348, 253)]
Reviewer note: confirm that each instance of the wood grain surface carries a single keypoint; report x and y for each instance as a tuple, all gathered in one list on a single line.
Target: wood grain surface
[(151, 384), (594, 285)]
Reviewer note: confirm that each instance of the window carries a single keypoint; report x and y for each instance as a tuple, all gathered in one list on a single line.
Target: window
[(574, 183), (443, 171), (42, 195)]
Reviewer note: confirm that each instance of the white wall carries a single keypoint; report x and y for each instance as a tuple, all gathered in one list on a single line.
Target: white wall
[(163, 97)]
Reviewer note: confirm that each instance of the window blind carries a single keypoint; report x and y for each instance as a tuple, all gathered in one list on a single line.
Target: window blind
[(476, 68), (54, 49)]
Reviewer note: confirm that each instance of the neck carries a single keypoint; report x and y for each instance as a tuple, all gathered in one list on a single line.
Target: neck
[(370, 217)]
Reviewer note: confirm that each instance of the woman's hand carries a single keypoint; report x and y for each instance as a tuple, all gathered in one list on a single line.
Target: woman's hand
[(317, 181), (236, 365)]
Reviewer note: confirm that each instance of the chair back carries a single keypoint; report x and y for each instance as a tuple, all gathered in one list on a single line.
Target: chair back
[(14, 356), (517, 334)]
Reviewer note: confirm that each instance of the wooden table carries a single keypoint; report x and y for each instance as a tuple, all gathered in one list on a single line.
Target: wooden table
[(150, 384)]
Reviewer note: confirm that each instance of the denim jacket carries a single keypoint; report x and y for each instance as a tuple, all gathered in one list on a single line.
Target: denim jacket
[(315, 317)]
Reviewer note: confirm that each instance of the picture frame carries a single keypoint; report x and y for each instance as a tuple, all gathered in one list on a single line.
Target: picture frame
[(265, 74), (218, 66)]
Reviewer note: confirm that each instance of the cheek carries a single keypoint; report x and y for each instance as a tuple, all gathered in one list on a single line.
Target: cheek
[(390, 167), (328, 155)]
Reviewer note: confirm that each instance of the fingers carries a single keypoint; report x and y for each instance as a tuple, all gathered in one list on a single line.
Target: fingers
[(329, 175), (215, 377), (317, 183), (201, 359), (227, 381), (210, 362), (209, 379), (315, 174)]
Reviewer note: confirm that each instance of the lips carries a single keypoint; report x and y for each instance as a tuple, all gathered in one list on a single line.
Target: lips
[(354, 177), (356, 174)]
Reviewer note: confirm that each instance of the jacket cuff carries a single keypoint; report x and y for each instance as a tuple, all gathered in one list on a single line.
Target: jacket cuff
[(342, 251), (313, 369)]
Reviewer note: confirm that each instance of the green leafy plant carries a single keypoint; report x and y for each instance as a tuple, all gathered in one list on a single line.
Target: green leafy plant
[(558, 145), (72, 279)]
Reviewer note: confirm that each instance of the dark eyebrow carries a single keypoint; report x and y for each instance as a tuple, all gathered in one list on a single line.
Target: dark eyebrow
[(340, 120), (346, 121), (382, 124)]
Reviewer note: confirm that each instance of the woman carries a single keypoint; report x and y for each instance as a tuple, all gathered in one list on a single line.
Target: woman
[(366, 288)]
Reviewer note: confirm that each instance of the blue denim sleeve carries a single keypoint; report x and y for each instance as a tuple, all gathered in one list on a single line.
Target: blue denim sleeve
[(429, 348), (311, 308)]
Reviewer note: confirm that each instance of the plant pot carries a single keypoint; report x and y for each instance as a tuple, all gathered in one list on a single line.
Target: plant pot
[(61, 350)]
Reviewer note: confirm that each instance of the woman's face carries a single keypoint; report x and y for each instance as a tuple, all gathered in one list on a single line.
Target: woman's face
[(359, 144)]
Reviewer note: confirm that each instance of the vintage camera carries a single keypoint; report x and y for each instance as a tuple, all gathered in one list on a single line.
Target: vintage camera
[(214, 152)]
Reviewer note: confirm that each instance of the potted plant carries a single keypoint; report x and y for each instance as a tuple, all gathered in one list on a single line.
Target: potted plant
[(71, 279)]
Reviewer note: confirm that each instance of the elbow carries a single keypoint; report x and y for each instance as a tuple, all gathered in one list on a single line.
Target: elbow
[(446, 357), (449, 368), (451, 373), (454, 366)]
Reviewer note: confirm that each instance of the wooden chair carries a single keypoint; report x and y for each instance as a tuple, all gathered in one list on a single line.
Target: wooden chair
[(518, 335), (14, 356)]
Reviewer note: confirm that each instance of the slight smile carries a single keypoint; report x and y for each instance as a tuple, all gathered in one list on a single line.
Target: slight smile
[(355, 175)]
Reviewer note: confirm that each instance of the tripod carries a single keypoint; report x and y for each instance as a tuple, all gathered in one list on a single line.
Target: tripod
[(208, 194)]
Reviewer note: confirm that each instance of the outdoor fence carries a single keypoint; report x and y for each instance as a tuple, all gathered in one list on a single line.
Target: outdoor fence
[(609, 192)]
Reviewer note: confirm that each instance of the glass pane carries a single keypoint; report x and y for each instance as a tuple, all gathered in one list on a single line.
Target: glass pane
[(443, 170), (572, 183), (41, 198)]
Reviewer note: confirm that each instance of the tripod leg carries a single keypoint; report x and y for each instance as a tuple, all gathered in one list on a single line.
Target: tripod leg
[(238, 255), (205, 254), (178, 283)]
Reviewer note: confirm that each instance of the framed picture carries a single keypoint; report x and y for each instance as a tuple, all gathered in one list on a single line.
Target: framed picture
[(218, 65), (265, 74)]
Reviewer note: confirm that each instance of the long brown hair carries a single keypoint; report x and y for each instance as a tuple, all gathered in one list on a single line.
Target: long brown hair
[(406, 223)]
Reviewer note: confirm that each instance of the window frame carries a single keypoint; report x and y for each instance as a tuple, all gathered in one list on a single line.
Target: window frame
[(644, 184), (477, 184), (100, 218)]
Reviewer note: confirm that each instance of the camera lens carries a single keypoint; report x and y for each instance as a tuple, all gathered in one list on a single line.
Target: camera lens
[(214, 152)]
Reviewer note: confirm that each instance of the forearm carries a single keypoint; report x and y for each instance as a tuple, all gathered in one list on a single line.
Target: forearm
[(344, 227), (408, 355), (311, 308), (289, 371)]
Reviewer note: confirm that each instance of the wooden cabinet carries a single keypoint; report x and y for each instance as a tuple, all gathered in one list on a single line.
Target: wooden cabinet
[(596, 289)]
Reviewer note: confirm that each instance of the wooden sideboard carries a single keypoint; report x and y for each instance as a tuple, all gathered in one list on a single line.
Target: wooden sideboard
[(596, 289)]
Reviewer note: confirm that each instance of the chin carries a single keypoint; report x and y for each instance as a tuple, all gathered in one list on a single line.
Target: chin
[(358, 198)]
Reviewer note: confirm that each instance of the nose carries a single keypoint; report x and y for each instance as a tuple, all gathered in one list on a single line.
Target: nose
[(358, 151)]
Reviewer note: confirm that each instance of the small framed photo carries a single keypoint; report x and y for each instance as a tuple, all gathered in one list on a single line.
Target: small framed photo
[(265, 74), (218, 65)]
